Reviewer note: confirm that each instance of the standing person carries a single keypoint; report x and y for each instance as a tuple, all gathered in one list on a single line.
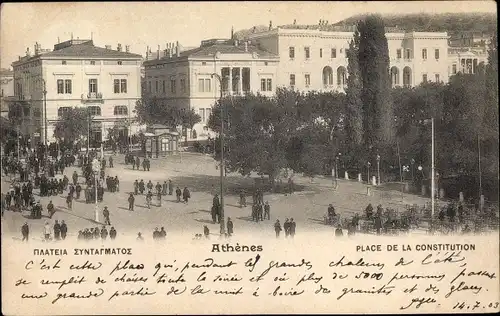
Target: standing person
[(78, 190), (149, 197), (64, 230), (286, 227), (104, 233), (131, 200), (105, 213), (186, 195), (178, 194), (292, 228), (117, 184), (290, 185), (170, 187), (75, 177), (136, 187), (111, 161), (158, 187), (46, 231), (229, 226), (139, 237), (148, 163), (158, 197), (156, 234), (267, 210), (150, 185), (144, 164), (142, 187), (50, 209), (163, 233), (69, 201), (57, 230), (138, 162), (112, 233), (25, 231), (243, 202), (277, 228), (260, 212)]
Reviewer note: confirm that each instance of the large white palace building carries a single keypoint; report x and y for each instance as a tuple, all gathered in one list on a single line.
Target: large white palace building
[(303, 57)]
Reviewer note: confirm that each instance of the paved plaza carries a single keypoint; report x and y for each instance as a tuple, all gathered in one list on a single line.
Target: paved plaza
[(199, 173)]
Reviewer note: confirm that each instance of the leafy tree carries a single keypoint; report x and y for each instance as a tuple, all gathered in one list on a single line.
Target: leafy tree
[(159, 111), (354, 105), (72, 125), (374, 68)]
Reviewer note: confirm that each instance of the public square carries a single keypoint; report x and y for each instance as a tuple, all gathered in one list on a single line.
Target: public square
[(307, 206)]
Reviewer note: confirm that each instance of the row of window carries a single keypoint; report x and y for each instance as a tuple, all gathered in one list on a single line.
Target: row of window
[(436, 78), (92, 62), (333, 53), (65, 86), (307, 52), (96, 110), (173, 86)]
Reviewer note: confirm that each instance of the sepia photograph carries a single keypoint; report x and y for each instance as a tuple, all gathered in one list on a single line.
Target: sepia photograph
[(249, 157)]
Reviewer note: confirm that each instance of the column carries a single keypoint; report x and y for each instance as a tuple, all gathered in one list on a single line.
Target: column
[(230, 82), (474, 65), (240, 81)]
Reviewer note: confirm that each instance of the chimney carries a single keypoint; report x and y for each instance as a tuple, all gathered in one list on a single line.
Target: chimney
[(37, 48), (246, 46), (107, 46), (119, 48), (127, 48), (170, 47), (177, 49), (270, 25), (28, 51), (158, 53), (294, 21)]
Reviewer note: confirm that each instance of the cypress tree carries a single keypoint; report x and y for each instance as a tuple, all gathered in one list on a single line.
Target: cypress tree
[(373, 59), (354, 110)]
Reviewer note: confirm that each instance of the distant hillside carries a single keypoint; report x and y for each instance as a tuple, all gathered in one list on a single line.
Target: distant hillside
[(449, 22)]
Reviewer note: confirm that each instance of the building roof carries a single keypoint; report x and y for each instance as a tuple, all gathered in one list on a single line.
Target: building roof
[(6, 72), (209, 51), (87, 49)]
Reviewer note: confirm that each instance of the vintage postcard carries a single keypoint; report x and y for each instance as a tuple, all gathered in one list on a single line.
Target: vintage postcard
[(249, 157)]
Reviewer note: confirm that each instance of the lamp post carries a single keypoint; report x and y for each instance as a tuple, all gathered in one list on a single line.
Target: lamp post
[(412, 163), (95, 168), (378, 169), (368, 164), (222, 221)]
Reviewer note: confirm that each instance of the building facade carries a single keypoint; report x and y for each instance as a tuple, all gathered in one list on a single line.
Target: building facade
[(78, 74), (314, 57), (185, 78), (7, 86)]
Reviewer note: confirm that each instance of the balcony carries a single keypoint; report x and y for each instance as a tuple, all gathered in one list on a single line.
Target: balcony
[(92, 97)]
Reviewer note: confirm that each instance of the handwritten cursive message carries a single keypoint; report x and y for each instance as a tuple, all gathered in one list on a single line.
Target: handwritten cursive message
[(403, 277)]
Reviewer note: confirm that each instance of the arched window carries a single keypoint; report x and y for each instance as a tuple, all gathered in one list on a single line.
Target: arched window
[(341, 76), (121, 110), (62, 110), (94, 110), (327, 76), (407, 76), (395, 76)]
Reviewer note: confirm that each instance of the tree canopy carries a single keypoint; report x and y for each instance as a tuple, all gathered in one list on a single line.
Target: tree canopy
[(72, 125)]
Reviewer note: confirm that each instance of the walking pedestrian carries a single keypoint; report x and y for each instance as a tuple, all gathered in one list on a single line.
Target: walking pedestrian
[(46, 231), (50, 209), (69, 201), (267, 211), (178, 194), (277, 228), (292, 227), (112, 233), (105, 213), (64, 230), (286, 227), (229, 226), (186, 195), (131, 200), (25, 231), (104, 233), (57, 230)]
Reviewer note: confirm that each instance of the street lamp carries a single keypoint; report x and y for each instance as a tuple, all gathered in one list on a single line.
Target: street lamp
[(222, 221), (95, 168), (368, 164), (378, 169)]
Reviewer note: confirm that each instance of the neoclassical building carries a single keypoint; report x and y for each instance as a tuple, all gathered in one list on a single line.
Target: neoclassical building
[(76, 73), (313, 57), (185, 77)]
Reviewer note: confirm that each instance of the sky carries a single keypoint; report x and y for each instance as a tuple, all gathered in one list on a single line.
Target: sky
[(157, 23)]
